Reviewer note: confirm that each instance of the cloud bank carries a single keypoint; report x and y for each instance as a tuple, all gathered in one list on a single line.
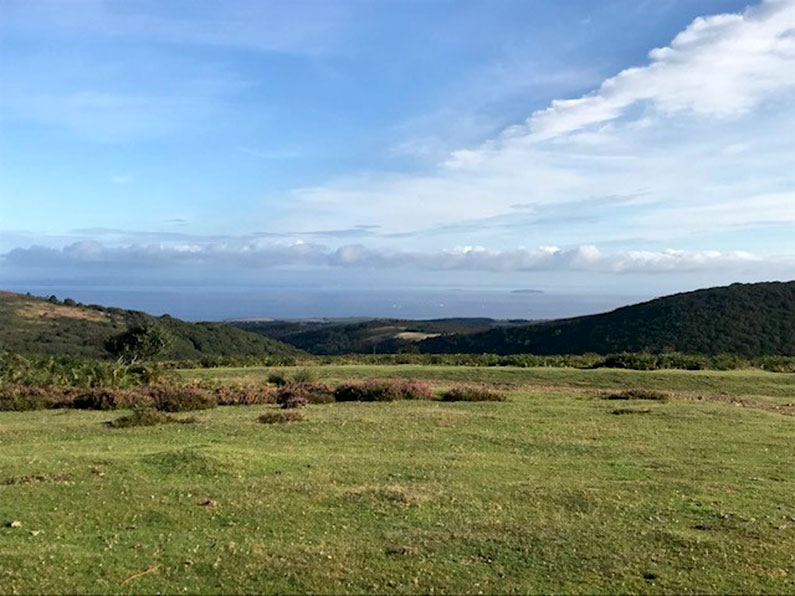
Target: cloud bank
[(256, 254)]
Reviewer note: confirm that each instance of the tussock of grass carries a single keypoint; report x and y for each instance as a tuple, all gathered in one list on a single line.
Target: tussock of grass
[(471, 393), (632, 394), (279, 416), (148, 417)]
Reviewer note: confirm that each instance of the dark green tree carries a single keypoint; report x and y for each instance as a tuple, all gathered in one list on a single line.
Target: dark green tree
[(142, 342)]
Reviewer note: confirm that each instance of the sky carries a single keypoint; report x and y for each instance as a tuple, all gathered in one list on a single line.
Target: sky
[(352, 157)]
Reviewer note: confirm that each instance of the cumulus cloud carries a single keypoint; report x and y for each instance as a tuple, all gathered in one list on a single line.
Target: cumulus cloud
[(89, 254), (706, 122), (719, 66)]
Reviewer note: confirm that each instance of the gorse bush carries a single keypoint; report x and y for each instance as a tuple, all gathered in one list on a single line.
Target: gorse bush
[(471, 393), (383, 390)]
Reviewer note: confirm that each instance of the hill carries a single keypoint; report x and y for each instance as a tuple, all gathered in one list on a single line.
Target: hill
[(745, 319), (364, 336), (32, 325)]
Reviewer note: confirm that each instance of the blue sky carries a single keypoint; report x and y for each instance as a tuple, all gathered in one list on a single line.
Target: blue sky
[(618, 147)]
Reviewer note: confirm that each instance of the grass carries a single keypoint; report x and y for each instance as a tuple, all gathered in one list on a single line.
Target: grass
[(742, 382), (546, 492)]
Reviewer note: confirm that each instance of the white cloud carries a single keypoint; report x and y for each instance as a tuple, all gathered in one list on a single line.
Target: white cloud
[(719, 66), (258, 254), (706, 123)]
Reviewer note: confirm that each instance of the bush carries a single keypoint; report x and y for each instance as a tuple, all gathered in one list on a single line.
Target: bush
[(297, 395), (111, 399), (244, 396), (147, 417), (278, 416), (383, 390), (781, 364), (21, 398), (471, 393), (277, 378), (639, 361), (174, 398), (629, 394)]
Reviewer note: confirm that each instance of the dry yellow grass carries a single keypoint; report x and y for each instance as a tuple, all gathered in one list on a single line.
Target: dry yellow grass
[(38, 310)]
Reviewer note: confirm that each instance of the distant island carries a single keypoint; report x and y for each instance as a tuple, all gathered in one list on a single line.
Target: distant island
[(527, 291)]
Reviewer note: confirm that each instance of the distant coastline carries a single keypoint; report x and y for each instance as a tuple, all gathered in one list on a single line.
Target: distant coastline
[(527, 291)]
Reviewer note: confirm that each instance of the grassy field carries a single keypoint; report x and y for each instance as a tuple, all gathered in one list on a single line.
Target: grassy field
[(550, 491)]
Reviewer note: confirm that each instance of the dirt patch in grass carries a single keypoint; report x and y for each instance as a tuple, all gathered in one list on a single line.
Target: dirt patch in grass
[(625, 411), (46, 310), (636, 394), (148, 417)]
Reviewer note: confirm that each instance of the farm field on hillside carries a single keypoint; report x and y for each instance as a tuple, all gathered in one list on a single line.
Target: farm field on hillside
[(555, 490)]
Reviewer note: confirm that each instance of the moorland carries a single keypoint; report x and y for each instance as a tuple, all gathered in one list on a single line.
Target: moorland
[(160, 456)]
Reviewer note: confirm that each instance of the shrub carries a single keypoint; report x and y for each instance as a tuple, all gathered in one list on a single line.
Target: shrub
[(471, 393), (244, 396), (647, 394), (111, 399), (142, 342), (416, 389), (277, 416), (639, 361), (174, 398), (383, 390), (781, 364), (21, 398), (728, 362), (147, 417), (297, 395), (277, 378)]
